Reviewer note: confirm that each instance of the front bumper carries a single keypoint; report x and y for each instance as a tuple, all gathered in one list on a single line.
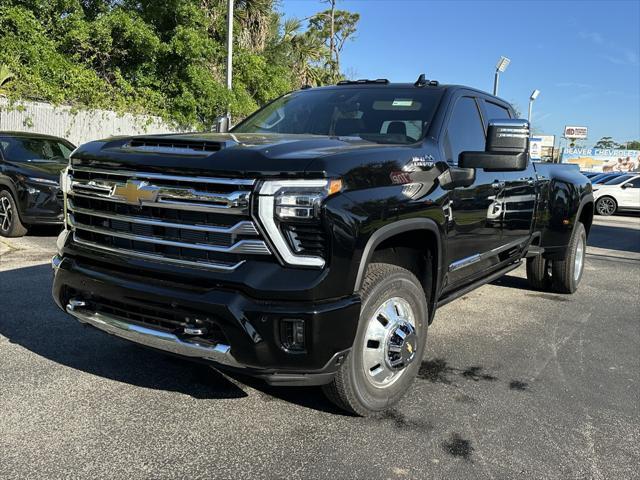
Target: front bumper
[(250, 336)]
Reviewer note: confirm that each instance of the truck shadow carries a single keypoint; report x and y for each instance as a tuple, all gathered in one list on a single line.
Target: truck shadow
[(29, 318)]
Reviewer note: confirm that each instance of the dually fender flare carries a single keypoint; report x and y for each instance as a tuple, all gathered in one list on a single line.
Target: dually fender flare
[(585, 200), (393, 229)]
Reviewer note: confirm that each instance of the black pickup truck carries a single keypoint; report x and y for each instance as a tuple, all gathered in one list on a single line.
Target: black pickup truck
[(312, 244)]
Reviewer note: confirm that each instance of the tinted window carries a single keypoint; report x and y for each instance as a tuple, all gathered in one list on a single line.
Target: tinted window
[(465, 131), (21, 149), (618, 180), (635, 182), (378, 114), (495, 112)]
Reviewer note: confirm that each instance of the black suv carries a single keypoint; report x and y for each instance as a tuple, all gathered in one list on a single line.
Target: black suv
[(30, 194), (313, 243)]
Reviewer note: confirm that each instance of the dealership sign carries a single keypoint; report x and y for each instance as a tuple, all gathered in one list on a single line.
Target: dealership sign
[(541, 147), (575, 133), (603, 159)]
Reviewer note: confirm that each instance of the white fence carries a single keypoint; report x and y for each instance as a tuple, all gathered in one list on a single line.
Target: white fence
[(77, 126)]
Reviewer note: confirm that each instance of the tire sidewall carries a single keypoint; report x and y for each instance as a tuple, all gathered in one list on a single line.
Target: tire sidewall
[(403, 285), (578, 236), (599, 202), (8, 233)]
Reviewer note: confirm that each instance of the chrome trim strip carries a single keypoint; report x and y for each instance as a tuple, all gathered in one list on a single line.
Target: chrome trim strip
[(251, 247), (168, 342), (158, 258), (507, 246), (197, 207), (237, 201), (464, 262), (240, 228), (160, 176)]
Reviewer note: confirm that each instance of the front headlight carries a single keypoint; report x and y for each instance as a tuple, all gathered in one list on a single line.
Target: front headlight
[(289, 211)]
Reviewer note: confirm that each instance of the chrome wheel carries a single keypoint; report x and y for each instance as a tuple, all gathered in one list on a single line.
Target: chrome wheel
[(390, 342), (579, 259), (6, 214), (606, 206)]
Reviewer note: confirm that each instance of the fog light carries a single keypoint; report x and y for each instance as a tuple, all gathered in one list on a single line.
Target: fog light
[(292, 335)]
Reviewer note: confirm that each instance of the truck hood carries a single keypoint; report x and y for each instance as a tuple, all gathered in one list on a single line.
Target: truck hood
[(247, 155)]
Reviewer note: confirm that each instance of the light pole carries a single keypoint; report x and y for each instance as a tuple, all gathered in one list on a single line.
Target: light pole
[(229, 58), (501, 66), (532, 99)]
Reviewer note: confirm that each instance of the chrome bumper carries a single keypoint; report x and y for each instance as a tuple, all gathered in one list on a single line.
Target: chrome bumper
[(168, 342)]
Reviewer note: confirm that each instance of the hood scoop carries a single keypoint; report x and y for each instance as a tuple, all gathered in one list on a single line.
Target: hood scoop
[(165, 146)]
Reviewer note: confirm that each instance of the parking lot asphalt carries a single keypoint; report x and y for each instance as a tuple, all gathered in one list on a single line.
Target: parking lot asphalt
[(515, 384)]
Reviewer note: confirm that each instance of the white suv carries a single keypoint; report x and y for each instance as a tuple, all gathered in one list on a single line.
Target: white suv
[(620, 193)]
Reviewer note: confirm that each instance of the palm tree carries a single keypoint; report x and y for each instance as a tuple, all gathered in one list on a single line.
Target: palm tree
[(256, 18), (306, 50)]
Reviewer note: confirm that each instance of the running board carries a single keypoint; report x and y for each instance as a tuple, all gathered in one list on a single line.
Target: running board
[(450, 297)]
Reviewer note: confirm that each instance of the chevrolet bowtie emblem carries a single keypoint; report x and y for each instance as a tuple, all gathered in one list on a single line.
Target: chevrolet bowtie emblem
[(410, 348), (136, 191)]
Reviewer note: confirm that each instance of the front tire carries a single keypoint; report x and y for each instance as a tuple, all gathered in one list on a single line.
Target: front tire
[(10, 224), (567, 273), (606, 206), (389, 344)]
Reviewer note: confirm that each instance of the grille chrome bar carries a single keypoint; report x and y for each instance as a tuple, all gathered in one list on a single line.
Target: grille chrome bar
[(225, 267), (240, 228), (250, 247), (162, 196), (160, 176)]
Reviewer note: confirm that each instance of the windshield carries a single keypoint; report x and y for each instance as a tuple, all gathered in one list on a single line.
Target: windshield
[(618, 180), (24, 149), (382, 115)]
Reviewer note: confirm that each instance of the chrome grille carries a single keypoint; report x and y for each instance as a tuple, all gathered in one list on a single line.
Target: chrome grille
[(195, 221)]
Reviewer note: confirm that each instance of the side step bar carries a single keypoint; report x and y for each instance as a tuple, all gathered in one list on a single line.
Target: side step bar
[(478, 283), (168, 342)]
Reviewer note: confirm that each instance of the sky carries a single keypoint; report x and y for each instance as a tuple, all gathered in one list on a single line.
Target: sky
[(583, 55)]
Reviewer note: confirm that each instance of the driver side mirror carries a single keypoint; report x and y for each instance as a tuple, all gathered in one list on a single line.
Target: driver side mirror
[(507, 148)]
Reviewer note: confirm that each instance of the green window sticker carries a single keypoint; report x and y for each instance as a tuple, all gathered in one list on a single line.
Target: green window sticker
[(402, 102)]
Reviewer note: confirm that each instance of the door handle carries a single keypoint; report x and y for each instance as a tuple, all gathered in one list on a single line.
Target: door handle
[(497, 185)]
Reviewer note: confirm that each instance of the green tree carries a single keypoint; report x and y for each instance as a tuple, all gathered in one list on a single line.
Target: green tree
[(631, 145), (163, 58), (5, 77), (606, 142), (334, 28)]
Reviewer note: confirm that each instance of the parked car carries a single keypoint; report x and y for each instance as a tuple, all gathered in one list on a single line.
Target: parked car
[(30, 194), (619, 193), (313, 243), (603, 178), (590, 174)]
